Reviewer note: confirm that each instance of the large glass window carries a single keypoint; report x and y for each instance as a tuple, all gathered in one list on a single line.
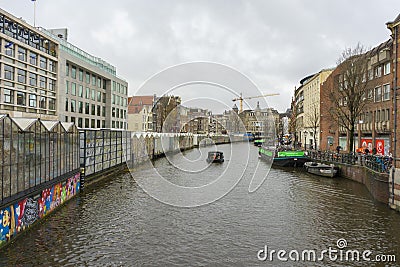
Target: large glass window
[(66, 104), (66, 69), (93, 80), (87, 106), (93, 94), (98, 96), (8, 72), (93, 109)]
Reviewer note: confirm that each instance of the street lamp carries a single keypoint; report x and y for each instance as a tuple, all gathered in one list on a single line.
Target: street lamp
[(305, 140)]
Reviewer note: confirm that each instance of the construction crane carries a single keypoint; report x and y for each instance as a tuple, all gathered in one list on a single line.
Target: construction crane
[(249, 97)]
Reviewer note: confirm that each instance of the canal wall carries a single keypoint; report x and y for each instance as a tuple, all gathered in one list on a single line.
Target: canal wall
[(43, 164), (394, 189), (376, 183)]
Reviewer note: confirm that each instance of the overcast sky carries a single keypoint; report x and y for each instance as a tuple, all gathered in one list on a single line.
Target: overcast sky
[(274, 43)]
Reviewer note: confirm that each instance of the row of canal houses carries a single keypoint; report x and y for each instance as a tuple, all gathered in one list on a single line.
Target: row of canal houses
[(377, 125)]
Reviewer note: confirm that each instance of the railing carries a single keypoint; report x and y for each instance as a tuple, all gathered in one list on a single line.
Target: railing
[(376, 163)]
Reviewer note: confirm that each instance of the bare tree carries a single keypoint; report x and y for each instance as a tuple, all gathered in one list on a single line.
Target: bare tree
[(349, 93), (312, 120)]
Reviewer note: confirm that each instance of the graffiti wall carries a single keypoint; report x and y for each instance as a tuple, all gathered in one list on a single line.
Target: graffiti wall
[(18, 216)]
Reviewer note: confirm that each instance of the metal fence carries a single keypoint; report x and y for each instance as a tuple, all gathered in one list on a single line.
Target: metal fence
[(376, 163)]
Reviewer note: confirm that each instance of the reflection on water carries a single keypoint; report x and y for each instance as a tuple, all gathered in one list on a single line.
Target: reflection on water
[(116, 223)]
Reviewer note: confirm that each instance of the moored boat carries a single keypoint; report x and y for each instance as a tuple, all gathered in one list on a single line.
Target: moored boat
[(283, 158), (321, 169)]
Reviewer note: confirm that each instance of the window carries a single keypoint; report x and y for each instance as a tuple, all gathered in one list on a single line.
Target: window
[(80, 122), (43, 62), (42, 102), (9, 50), (386, 69), (386, 92), (87, 107), (113, 112), (87, 77), (98, 110), (32, 79), (93, 123), (370, 93), (73, 105), (21, 76), (87, 93), (370, 74), (81, 75), (67, 69), (21, 99), (52, 85), (80, 93), (66, 104), (52, 66), (87, 123), (8, 96), (378, 71), (42, 82), (73, 88), (93, 80), (80, 107), (93, 94), (98, 96), (99, 82), (73, 119), (67, 87), (8, 72), (21, 53), (52, 104), (103, 111), (32, 100), (93, 109), (73, 72), (378, 94), (104, 84), (33, 58), (104, 97)]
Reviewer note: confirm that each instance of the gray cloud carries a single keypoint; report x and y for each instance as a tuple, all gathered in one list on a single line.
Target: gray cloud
[(274, 43)]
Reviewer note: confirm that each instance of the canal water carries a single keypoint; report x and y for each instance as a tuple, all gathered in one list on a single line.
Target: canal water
[(116, 223)]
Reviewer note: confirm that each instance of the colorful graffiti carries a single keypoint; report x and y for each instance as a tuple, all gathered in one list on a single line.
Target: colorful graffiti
[(17, 217)]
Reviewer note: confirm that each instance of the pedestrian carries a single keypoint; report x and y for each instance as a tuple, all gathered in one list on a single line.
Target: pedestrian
[(366, 151), (374, 151), (338, 149)]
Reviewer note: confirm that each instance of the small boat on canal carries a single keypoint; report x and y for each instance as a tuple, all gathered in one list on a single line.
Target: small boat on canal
[(215, 157), (321, 169)]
